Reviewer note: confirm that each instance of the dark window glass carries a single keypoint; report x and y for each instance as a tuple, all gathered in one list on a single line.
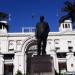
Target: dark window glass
[(74, 53), (68, 25), (70, 49), (0, 26), (61, 55), (57, 48), (69, 41), (62, 66), (8, 56), (65, 25)]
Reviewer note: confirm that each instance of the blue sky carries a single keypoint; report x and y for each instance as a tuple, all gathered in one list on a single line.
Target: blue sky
[(22, 11)]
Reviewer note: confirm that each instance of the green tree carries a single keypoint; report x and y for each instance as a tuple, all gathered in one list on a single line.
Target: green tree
[(19, 72), (70, 9)]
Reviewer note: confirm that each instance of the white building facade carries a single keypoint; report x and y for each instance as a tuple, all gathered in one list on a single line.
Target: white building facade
[(16, 49)]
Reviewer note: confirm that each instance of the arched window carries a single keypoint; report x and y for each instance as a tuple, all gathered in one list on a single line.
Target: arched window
[(30, 51), (32, 47), (63, 26), (66, 26)]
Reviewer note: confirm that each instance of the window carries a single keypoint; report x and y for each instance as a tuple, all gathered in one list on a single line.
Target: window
[(18, 44), (74, 53), (0, 45), (62, 66), (57, 48), (49, 42), (68, 25), (65, 25), (33, 47), (69, 42), (11, 45), (56, 41), (70, 48), (61, 55), (71, 65), (0, 25), (11, 42), (8, 56)]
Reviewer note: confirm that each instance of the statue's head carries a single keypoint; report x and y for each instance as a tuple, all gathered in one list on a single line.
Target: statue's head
[(41, 18)]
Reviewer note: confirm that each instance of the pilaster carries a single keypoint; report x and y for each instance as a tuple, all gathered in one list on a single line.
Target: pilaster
[(1, 65)]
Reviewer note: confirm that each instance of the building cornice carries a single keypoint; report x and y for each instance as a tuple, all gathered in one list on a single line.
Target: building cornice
[(17, 34), (32, 34)]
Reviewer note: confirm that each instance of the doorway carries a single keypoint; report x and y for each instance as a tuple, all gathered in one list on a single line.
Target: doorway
[(8, 69), (29, 63), (62, 67)]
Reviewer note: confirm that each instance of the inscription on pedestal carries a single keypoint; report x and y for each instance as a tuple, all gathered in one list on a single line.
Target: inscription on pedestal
[(42, 64)]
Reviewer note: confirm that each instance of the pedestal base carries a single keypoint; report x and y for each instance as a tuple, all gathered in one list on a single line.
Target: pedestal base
[(42, 65)]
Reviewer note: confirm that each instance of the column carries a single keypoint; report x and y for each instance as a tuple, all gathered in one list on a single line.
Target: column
[(53, 54), (1, 65), (18, 62), (25, 63)]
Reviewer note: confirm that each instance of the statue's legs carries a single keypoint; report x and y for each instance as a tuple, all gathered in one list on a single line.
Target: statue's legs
[(44, 40), (38, 46)]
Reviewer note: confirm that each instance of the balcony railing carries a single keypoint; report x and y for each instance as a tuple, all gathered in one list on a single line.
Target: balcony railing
[(28, 29)]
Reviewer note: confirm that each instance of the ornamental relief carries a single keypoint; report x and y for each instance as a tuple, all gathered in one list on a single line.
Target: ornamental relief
[(32, 47)]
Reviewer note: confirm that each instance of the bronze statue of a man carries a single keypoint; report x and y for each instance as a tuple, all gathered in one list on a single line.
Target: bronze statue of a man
[(41, 33)]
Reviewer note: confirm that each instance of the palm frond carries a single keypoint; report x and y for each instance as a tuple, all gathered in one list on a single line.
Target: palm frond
[(3, 15), (67, 3), (66, 9), (68, 6), (72, 16), (63, 18), (70, 9)]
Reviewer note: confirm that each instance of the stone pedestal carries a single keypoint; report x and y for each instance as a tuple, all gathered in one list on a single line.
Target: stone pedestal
[(42, 65)]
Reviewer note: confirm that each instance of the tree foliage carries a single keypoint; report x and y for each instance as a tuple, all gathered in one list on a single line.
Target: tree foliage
[(19, 72), (3, 16), (70, 9)]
